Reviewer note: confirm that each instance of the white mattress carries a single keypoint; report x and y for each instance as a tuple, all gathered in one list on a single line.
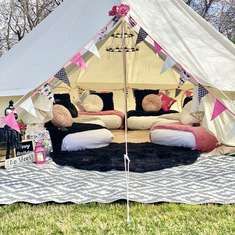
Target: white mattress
[(87, 140), (146, 122), (110, 121), (173, 138)]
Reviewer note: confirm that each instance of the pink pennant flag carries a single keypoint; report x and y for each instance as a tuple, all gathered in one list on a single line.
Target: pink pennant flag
[(11, 121), (157, 48), (79, 61), (218, 109)]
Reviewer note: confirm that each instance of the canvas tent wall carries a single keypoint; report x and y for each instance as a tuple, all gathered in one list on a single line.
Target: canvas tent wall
[(187, 38)]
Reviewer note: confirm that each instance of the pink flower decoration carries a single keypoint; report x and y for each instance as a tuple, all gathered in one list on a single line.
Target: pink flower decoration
[(120, 10), (123, 9), (113, 12)]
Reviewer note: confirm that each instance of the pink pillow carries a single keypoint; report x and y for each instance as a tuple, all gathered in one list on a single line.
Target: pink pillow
[(167, 101)]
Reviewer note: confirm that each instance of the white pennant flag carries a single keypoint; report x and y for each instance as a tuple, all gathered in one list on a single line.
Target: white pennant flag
[(92, 48), (28, 106), (169, 63)]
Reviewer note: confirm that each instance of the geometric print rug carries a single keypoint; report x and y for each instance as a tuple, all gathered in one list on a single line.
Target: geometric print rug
[(208, 180)]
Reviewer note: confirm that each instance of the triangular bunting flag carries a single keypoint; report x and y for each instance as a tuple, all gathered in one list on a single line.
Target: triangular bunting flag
[(201, 92), (132, 21), (92, 48), (141, 36), (115, 20), (46, 91), (79, 61), (157, 48), (183, 78), (218, 109), (11, 121), (62, 76), (169, 63), (28, 106), (177, 92)]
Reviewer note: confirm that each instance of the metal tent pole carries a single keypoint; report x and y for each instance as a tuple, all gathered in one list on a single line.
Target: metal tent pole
[(126, 158)]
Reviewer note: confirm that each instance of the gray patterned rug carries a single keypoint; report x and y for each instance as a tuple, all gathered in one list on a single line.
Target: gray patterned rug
[(208, 180)]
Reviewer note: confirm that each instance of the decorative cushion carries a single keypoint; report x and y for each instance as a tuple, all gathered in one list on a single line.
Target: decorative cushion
[(167, 101), (139, 96), (92, 103), (151, 102), (61, 116), (189, 118), (91, 139), (64, 99), (107, 98)]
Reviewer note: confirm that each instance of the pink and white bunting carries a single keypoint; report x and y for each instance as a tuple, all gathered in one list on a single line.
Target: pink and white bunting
[(79, 61), (11, 121), (157, 48), (219, 108), (168, 64), (92, 48), (28, 106)]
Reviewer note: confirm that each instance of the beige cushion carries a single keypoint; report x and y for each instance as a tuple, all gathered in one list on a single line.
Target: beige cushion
[(188, 118), (61, 116), (92, 103), (151, 102)]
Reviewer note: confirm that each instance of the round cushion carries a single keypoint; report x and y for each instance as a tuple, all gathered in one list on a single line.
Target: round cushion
[(61, 116), (93, 103), (151, 103)]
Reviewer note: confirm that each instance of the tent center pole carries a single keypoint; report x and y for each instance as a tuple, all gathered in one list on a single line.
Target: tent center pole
[(126, 158)]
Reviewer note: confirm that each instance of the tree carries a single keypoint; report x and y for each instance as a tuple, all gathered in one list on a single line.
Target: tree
[(19, 17), (220, 13)]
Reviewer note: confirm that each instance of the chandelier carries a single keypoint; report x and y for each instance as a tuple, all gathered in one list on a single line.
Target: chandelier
[(116, 43)]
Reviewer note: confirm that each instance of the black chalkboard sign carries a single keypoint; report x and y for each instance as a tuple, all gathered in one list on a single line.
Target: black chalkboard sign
[(26, 147)]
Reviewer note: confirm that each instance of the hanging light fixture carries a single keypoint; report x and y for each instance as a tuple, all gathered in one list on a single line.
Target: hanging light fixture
[(116, 42)]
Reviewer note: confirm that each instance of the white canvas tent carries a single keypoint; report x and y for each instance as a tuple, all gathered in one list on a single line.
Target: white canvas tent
[(207, 55)]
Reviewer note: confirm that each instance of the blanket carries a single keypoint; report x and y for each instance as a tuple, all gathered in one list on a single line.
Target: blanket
[(108, 112), (205, 141), (144, 157), (134, 113)]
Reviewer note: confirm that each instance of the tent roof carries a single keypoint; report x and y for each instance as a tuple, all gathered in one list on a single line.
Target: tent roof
[(51, 44), (189, 39)]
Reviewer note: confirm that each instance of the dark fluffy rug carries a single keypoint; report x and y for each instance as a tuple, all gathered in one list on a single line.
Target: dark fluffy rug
[(144, 157)]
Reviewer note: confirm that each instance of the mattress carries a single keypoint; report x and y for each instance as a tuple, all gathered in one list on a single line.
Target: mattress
[(112, 119), (146, 122)]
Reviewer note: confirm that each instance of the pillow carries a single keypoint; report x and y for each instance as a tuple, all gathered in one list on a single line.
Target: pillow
[(107, 98), (139, 95), (189, 118), (151, 103), (92, 103), (167, 101), (61, 116), (64, 99)]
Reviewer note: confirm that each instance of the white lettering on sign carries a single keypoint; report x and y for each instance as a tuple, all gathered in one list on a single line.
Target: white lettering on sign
[(11, 162)]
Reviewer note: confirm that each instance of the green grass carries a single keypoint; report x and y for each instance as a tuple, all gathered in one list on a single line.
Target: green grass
[(110, 219)]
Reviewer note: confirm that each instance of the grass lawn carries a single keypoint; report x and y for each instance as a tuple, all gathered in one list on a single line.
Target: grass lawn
[(110, 219)]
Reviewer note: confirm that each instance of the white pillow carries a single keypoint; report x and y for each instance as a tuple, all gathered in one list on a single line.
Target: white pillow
[(91, 139), (93, 103), (173, 138)]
